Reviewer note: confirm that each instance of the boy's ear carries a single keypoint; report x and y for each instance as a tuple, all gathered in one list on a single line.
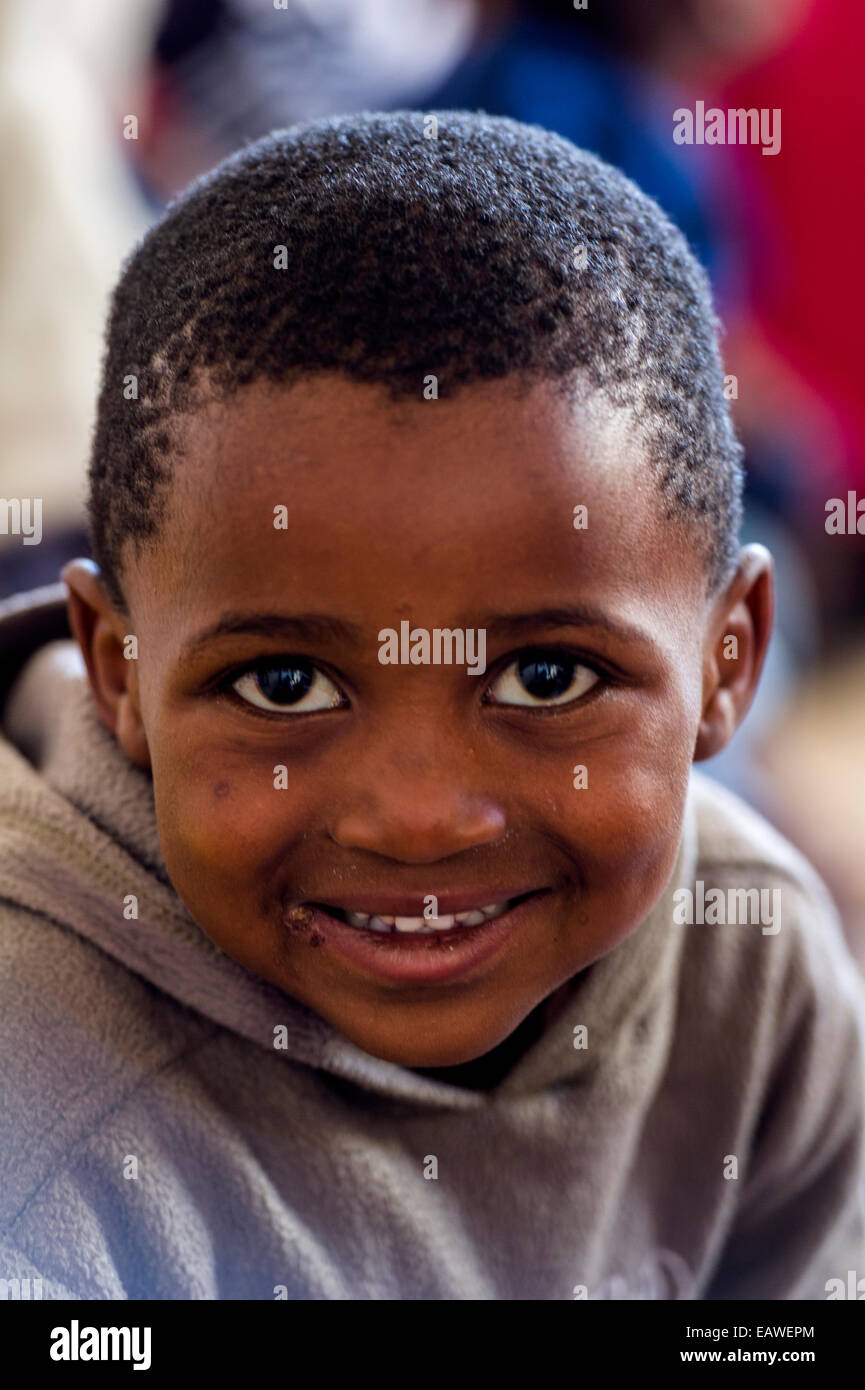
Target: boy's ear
[(101, 632), (736, 645)]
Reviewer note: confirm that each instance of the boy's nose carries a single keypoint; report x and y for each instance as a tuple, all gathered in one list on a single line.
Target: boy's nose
[(415, 815)]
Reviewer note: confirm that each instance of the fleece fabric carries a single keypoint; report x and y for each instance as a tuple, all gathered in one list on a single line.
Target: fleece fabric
[(174, 1127)]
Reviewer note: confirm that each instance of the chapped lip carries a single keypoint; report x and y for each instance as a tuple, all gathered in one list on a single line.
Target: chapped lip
[(412, 904)]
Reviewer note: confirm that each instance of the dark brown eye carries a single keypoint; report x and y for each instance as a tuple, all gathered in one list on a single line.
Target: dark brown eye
[(294, 686), (543, 679)]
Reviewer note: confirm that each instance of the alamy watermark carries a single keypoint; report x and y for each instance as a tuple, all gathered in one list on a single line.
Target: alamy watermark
[(845, 519), (20, 1290), (730, 907), (77, 1343), (853, 1287), (734, 127), (21, 516), (443, 646)]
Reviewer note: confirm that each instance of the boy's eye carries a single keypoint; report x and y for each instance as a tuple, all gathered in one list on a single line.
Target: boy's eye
[(294, 685), (543, 679)]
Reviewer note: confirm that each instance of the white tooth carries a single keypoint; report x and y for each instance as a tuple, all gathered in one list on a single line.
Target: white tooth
[(357, 919), (471, 919), (408, 923), (494, 910), (444, 923), (379, 924)]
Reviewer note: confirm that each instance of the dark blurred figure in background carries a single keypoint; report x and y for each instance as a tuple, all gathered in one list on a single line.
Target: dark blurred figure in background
[(228, 71)]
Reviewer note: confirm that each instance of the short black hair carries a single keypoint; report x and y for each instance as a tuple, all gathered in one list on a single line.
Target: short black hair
[(449, 243)]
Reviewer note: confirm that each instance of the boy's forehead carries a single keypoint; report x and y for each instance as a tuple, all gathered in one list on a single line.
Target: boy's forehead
[(327, 432), (332, 481)]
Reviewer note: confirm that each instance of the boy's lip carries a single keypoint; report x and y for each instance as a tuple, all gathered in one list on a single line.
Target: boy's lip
[(412, 904), (414, 957)]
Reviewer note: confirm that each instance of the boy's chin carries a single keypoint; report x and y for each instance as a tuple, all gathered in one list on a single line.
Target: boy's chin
[(404, 1054), (465, 1046)]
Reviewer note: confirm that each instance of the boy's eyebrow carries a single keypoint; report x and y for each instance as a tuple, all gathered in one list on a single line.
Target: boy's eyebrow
[(580, 615), (313, 627), (310, 627)]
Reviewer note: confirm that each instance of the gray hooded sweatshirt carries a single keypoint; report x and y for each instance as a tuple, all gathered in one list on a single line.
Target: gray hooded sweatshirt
[(688, 1125)]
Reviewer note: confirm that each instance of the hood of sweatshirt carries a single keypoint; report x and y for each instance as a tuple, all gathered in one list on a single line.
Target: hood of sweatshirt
[(78, 832)]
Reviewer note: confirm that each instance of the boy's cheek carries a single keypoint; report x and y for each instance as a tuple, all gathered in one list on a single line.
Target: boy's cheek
[(627, 792), (232, 822), (625, 827)]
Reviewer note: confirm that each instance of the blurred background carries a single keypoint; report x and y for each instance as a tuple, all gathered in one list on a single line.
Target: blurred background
[(109, 107)]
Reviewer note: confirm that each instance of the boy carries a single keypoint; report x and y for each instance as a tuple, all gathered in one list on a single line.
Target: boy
[(367, 934)]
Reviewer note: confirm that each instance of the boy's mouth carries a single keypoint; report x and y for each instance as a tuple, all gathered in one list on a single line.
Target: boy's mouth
[(393, 923), (394, 943)]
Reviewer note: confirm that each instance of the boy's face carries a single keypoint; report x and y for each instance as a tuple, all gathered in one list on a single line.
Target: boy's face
[(405, 782)]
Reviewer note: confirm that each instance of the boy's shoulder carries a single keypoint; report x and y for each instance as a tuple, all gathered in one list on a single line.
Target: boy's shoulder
[(733, 834), (79, 1035), (763, 938), (737, 849)]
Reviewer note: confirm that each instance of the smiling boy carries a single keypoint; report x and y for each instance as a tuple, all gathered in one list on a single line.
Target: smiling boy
[(356, 979)]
